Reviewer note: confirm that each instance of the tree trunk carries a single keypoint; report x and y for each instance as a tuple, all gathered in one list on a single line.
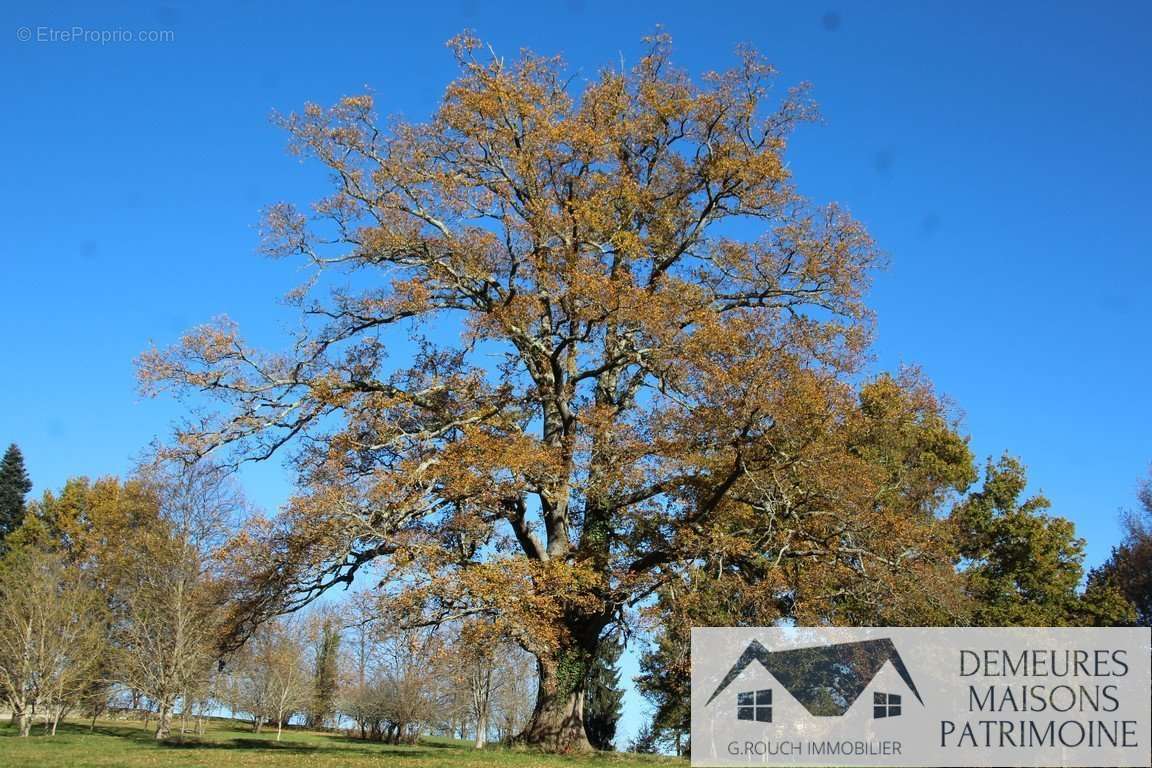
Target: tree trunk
[(557, 723), (482, 731), (25, 720), (279, 727), (482, 701), (163, 722)]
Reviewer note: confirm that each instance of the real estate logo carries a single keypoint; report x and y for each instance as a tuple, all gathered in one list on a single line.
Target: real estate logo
[(825, 680), (921, 696)]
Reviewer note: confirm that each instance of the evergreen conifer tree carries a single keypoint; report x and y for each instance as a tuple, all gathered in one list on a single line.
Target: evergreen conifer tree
[(604, 698), (14, 486)]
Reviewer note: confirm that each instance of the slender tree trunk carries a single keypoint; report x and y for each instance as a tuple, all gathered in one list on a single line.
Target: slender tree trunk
[(18, 713), (164, 721), (25, 720), (481, 702), (482, 731)]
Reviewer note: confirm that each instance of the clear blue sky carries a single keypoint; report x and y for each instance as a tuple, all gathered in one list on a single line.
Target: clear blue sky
[(999, 152)]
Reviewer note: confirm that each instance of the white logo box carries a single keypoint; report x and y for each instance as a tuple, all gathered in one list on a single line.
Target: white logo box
[(921, 696)]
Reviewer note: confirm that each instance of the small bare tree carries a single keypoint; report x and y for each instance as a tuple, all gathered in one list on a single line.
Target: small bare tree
[(51, 638), (358, 696), (491, 682), (167, 643), (411, 677), (395, 681), (275, 683), (515, 692), (473, 660)]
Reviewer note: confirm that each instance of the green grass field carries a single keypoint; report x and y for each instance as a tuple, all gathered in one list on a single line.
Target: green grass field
[(128, 745)]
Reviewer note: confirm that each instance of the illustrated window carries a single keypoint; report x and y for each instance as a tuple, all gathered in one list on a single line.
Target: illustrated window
[(885, 705), (754, 705)]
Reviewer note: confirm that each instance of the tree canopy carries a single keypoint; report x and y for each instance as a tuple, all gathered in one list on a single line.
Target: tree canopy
[(1022, 566), (1128, 570), (566, 344)]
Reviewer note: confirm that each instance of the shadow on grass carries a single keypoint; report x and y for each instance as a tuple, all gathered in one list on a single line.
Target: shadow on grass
[(356, 742), (220, 738), (139, 735), (323, 742), (238, 743), (79, 729)]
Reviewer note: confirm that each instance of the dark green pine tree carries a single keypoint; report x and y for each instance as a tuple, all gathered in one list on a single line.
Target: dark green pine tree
[(14, 486), (645, 742), (604, 698)]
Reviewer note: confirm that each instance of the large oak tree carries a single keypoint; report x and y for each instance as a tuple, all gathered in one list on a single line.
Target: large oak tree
[(590, 333)]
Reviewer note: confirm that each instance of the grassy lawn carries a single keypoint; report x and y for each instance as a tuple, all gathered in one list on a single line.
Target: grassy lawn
[(128, 745)]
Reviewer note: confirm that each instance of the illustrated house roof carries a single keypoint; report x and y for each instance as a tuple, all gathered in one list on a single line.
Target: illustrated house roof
[(827, 679)]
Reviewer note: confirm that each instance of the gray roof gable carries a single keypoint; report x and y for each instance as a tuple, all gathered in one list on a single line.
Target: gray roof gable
[(828, 679)]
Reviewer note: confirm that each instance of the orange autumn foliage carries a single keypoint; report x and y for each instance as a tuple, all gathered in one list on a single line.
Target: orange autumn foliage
[(591, 336)]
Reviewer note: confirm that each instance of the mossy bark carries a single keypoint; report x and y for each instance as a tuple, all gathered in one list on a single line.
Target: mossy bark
[(557, 723)]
